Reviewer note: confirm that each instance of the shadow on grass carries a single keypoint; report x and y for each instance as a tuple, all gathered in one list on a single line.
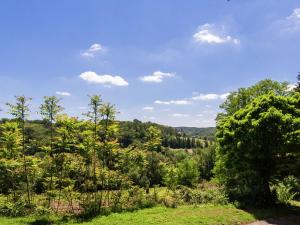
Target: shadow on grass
[(279, 214), (48, 221), (43, 221)]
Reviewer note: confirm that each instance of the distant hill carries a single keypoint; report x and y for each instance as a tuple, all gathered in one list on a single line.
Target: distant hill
[(196, 131)]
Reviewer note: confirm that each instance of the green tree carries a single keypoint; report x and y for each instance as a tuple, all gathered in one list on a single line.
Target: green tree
[(154, 139), (254, 145), (109, 141), (66, 148), (49, 110), (171, 177), (153, 145), (20, 110), (239, 99), (188, 173), (95, 116), (10, 140), (10, 147), (206, 160)]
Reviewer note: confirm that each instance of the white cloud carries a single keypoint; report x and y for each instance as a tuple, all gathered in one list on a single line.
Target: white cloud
[(180, 115), (291, 87), (156, 77), (148, 108), (109, 80), (63, 93), (210, 34), (289, 24), (173, 102), (293, 21), (224, 96), (209, 97), (93, 50), (199, 115)]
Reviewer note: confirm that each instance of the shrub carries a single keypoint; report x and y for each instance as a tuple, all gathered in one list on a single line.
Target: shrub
[(284, 193), (214, 195), (294, 184), (170, 201), (15, 209), (138, 200)]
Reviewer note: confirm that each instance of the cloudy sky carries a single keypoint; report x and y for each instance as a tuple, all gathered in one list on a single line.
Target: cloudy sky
[(171, 61)]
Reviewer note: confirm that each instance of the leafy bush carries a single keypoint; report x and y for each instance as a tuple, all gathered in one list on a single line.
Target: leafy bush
[(170, 201), (138, 200), (15, 209), (294, 184), (284, 193), (215, 195)]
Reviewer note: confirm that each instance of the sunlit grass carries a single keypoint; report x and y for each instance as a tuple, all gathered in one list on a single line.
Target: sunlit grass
[(186, 214)]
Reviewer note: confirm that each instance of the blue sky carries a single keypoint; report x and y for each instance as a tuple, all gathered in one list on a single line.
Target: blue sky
[(169, 61)]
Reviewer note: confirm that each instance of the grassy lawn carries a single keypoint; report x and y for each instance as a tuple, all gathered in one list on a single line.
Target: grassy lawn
[(203, 214)]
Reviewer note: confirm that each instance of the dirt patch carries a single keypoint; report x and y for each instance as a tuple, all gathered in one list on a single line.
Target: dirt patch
[(66, 207)]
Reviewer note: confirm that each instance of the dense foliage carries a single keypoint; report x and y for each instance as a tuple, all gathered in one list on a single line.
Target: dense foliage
[(96, 165), (258, 141)]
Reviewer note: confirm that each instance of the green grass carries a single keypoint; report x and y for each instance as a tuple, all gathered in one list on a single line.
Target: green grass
[(202, 214), (182, 215)]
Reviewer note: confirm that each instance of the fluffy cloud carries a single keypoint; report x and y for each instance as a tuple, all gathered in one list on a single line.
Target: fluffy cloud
[(180, 115), (93, 50), (148, 108), (110, 80), (210, 34), (173, 102), (289, 24), (291, 87), (208, 97), (292, 22), (63, 93), (156, 77)]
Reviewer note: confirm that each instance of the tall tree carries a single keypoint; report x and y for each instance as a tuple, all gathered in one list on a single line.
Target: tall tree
[(108, 139), (94, 114), (49, 109), (255, 144), (20, 110), (153, 145)]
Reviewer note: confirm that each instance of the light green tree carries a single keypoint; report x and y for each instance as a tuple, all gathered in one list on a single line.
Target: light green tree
[(49, 109), (94, 114), (10, 140), (20, 110)]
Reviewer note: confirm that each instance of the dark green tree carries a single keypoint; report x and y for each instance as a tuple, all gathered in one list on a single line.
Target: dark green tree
[(254, 144)]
